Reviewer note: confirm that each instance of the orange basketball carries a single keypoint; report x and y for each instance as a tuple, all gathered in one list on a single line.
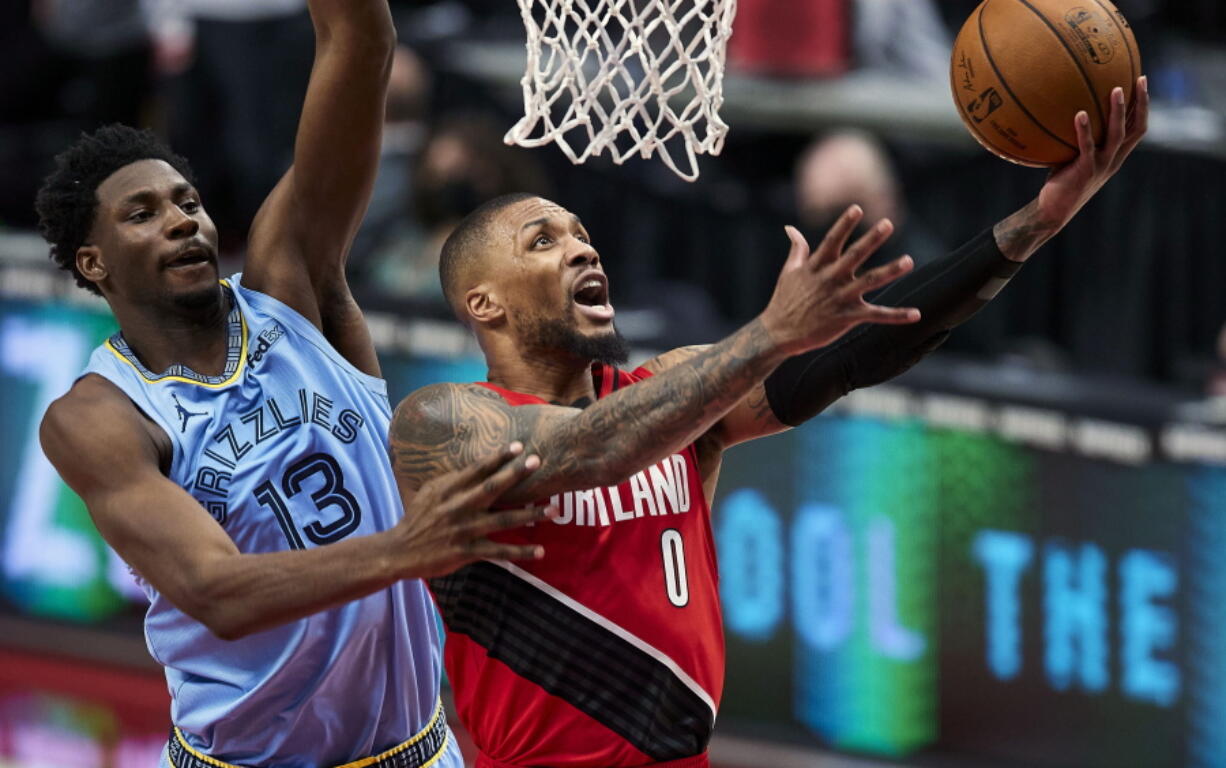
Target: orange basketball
[(1023, 69)]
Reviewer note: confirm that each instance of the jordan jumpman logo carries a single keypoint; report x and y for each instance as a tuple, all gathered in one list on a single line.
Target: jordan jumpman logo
[(185, 414)]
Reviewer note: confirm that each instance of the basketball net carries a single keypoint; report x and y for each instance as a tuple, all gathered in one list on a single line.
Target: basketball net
[(635, 77)]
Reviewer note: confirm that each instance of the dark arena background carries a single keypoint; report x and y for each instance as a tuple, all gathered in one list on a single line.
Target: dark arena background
[(1012, 556)]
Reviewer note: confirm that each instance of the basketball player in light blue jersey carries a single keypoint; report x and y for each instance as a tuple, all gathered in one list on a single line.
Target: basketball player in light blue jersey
[(230, 442)]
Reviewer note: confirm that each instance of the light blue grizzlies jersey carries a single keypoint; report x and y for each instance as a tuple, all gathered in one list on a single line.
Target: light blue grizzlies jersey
[(287, 449)]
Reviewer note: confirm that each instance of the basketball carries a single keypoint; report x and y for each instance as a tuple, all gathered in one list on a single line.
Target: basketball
[(1022, 69)]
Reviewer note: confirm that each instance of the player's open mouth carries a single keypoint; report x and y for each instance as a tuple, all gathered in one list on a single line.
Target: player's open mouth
[(189, 258), (592, 296)]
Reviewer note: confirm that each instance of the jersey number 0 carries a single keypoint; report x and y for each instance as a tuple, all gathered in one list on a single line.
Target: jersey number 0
[(676, 583)]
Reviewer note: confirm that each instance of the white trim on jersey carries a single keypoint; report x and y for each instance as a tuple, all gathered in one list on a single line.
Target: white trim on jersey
[(624, 634)]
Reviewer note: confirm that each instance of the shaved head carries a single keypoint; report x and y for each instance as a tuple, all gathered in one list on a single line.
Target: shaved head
[(521, 271), (466, 246)]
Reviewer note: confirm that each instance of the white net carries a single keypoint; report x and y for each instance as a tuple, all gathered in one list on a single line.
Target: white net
[(635, 77)]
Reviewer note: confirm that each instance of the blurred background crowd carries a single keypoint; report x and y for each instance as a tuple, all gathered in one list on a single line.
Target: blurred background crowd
[(830, 102)]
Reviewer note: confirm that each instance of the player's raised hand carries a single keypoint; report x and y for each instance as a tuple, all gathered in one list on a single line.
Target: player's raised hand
[(820, 294), (448, 522), (1071, 186)]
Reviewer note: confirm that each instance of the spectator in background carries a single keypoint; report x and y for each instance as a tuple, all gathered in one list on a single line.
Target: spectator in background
[(463, 163), (239, 72), (852, 167), (408, 92)]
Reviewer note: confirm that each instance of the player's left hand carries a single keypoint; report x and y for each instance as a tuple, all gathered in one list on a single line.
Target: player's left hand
[(1071, 186)]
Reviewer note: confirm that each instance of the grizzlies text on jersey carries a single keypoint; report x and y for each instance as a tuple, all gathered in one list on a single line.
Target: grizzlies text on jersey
[(287, 449)]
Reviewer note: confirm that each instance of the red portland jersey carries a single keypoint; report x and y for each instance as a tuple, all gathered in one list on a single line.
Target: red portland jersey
[(607, 653)]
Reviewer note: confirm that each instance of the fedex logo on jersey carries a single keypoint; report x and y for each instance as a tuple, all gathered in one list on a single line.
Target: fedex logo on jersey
[(661, 489), (264, 342)]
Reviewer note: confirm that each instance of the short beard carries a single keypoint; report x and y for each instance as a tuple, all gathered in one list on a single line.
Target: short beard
[(559, 335), (199, 307)]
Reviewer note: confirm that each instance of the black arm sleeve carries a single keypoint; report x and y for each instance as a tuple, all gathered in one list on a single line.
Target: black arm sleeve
[(947, 292)]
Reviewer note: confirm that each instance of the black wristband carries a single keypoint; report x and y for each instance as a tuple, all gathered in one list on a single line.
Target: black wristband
[(950, 290), (947, 292)]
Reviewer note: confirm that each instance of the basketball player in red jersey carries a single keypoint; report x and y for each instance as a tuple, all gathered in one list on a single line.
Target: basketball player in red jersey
[(608, 652)]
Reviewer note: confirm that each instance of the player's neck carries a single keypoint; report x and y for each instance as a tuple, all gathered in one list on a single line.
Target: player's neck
[(160, 339), (554, 380)]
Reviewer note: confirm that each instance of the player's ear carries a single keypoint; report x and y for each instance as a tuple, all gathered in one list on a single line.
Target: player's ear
[(483, 306), (89, 263)]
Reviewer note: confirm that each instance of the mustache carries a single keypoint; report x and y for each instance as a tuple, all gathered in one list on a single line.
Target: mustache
[(201, 246), (197, 245)]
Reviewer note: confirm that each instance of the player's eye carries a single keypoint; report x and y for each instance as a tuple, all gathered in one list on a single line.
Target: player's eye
[(541, 241), (140, 215), (583, 238), (190, 206)]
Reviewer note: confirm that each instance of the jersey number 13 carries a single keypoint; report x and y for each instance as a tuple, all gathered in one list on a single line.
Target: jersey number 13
[(332, 494)]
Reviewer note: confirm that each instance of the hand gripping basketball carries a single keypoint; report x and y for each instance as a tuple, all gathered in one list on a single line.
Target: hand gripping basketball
[(448, 522), (1071, 186), (820, 294)]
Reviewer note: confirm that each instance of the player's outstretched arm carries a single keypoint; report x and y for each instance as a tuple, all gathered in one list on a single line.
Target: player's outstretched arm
[(818, 298), (97, 441), (948, 292), (301, 236), (1070, 187)]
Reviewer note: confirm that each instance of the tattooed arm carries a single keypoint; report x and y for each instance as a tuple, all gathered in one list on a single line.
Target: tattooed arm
[(818, 299), (446, 426), (750, 418)]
